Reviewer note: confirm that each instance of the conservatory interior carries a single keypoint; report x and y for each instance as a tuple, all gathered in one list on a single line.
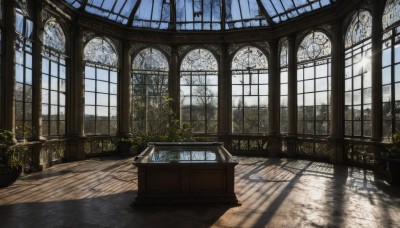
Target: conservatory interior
[(304, 94)]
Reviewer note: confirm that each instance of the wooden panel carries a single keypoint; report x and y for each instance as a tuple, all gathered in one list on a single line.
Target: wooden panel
[(204, 181), (164, 181)]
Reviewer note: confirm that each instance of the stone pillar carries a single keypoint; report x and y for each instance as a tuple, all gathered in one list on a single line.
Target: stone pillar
[(37, 88), (77, 82), (124, 92), (274, 142), (8, 90), (75, 146), (224, 98), (174, 82), (376, 74), (37, 73), (337, 94), (292, 97)]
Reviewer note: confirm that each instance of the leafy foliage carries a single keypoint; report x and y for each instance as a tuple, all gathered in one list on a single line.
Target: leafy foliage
[(174, 132), (11, 155)]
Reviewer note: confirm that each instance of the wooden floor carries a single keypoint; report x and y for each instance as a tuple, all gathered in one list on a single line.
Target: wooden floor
[(273, 192)]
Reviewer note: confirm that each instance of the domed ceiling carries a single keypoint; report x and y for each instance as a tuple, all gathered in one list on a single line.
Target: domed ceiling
[(199, 14)]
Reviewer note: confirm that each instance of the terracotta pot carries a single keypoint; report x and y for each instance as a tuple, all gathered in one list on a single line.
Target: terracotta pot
[(7, 176), (124, 147)]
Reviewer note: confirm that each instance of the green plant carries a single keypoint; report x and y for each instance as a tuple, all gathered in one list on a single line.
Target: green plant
[(173, 132), (11, 155), (179, 133), (24, 131)]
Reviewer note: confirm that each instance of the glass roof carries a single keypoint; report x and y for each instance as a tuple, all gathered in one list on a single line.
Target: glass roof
[(199, 14)]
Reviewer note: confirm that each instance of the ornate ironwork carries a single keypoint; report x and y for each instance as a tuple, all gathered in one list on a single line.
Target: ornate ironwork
[(391, 15), (135, 48), (264, 46), (284, 53), (53, 36), (101, 50), (215, 49), (360, 28), (150, 59), (249, 144), (94, 146), (199, 59), (314, 148), (232, 48), (315, 45), (52, 151), (166, 49), (249, 58), (184, 49), (359, 153)]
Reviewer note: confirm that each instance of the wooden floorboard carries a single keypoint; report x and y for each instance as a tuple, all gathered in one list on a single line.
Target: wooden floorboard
[(273, 192)]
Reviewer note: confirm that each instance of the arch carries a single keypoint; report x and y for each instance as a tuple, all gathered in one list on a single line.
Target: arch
[(149, 97), (315, 45), (359, 29), (101, 50), (249, 91), (391, 14), (358, 80), (54, 77), (150, 59), (390, 64), (101, 83), (249, 58), (53, 36), (199, 59), (199, 91), (313, 84)]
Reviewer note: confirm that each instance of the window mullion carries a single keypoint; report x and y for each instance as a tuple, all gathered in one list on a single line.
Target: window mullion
[(393, 82), (95, 101)]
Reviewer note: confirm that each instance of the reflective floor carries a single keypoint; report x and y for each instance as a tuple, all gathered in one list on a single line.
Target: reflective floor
[(273, 193)]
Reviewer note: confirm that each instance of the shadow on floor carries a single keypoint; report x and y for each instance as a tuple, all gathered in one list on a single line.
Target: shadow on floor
[(108, 211)]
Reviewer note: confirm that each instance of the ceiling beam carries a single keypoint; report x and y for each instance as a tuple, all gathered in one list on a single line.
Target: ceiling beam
[(311, 20), (82, 8), (132, 15), (265, 13), (172, 24)]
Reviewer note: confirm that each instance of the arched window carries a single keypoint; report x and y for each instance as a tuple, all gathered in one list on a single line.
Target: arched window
[(358, 75), (23, 75), (283, 69), (53, 80), (249, 91), (391, 68), (101, 77), (199, 91), (313, 84), (149, 92)]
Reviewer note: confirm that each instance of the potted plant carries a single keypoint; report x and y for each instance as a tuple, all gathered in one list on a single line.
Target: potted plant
[(123, 144), (393, 160), (12, 157), (133, 144)]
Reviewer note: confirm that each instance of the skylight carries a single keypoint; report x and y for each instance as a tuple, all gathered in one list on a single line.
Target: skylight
[(199, 14)]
